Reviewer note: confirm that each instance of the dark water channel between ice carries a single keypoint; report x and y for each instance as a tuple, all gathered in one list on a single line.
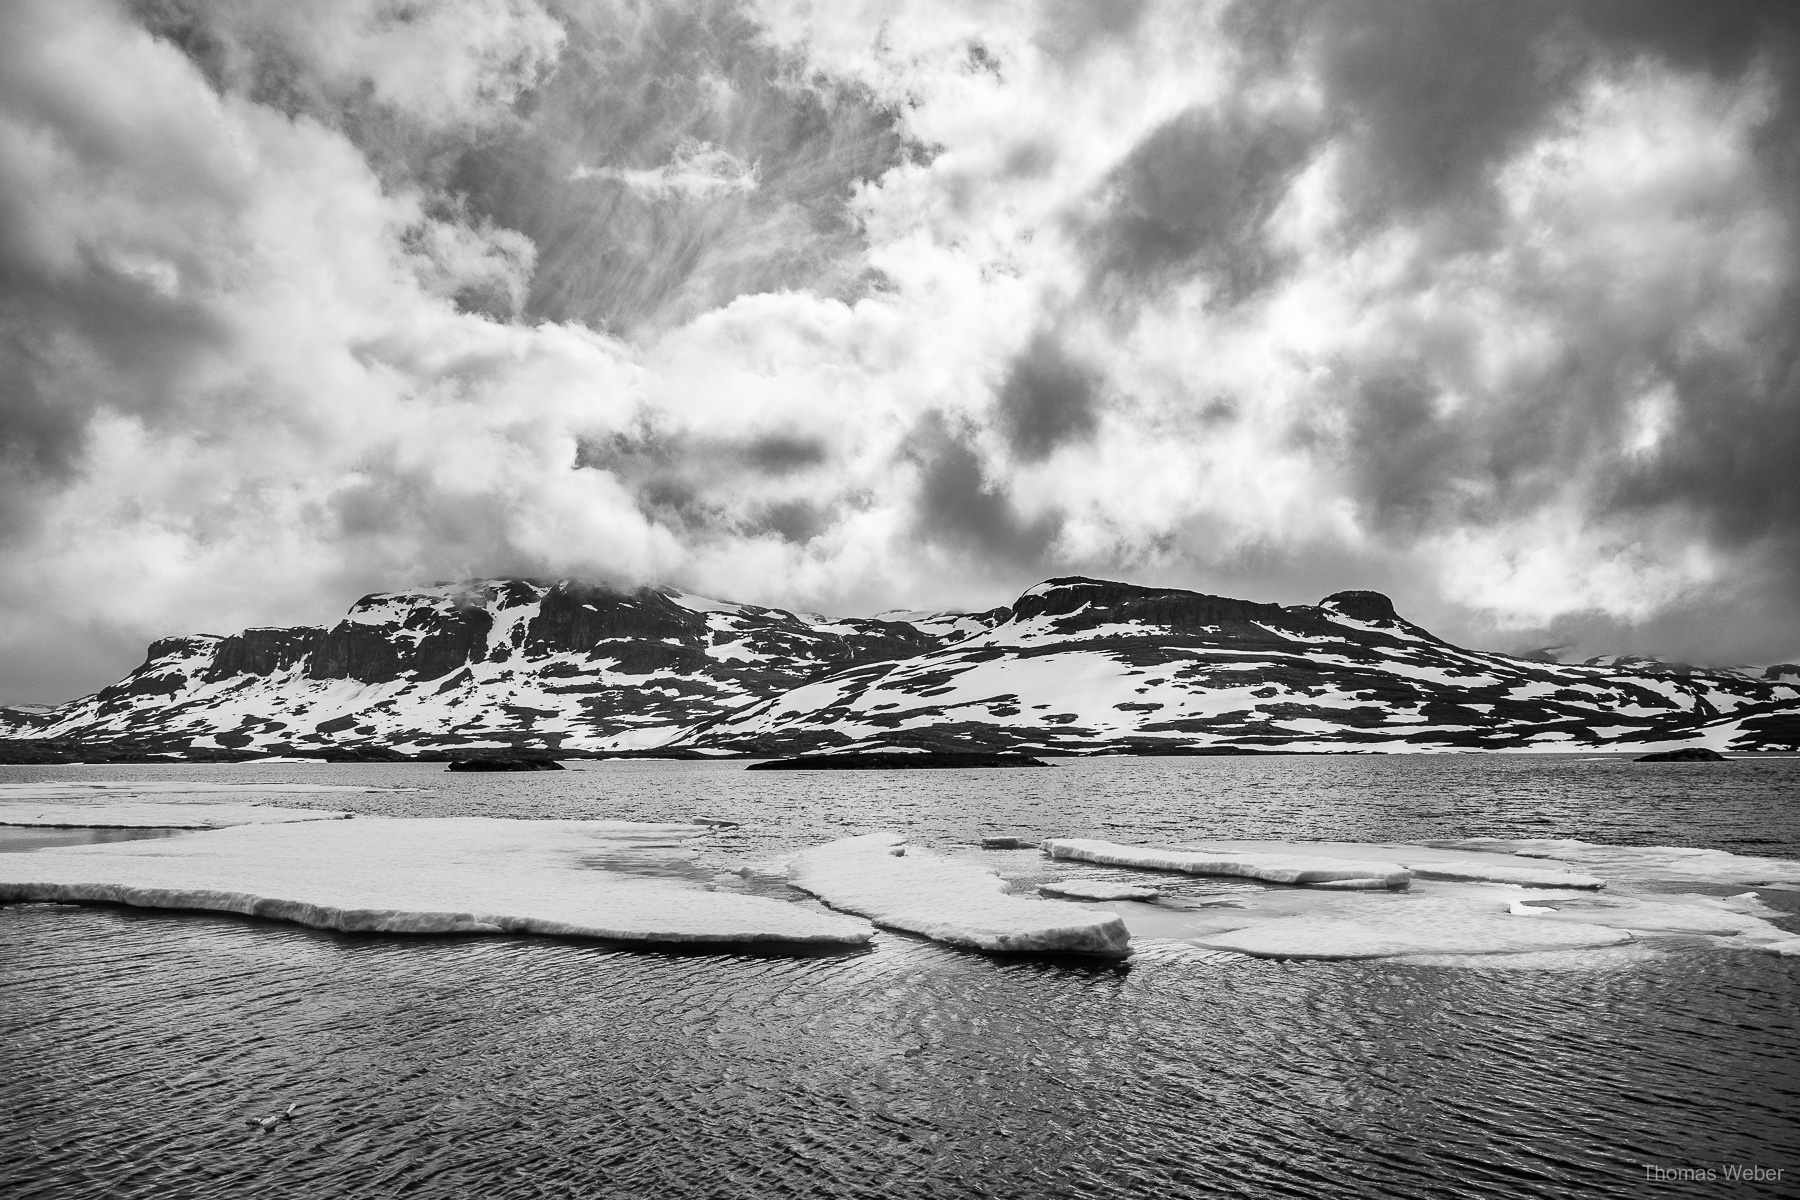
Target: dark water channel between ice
[(133, 1045)]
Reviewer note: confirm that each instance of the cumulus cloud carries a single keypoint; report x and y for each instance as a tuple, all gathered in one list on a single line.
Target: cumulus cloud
[(1487, 306)]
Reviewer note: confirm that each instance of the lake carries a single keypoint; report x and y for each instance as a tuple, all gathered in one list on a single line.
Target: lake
[(133, 1044)]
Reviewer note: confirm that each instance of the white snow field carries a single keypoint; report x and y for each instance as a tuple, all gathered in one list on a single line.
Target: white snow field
[(436, 875), (949, 900), (158, 804), (1281, 863)]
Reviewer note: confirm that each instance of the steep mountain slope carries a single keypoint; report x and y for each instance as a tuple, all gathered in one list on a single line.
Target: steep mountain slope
[(565, 666), (1084, 665)]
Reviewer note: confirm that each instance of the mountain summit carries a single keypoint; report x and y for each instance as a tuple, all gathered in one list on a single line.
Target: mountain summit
[(1075, 665)]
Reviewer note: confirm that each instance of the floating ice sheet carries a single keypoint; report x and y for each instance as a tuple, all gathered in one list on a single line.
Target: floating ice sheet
[(1643, 862), (1408, 926), (1468, 901), (438, 875), (1426, 868), (1094, 889), (949, 900), (151, 815), (159, 804), (1281, 866), (1740, 917), (111, 791)]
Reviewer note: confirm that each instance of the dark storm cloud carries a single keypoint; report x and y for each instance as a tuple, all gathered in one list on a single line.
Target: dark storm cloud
[(783, 454), (641, 455), (1434, 95), (795, 521), (1734, 446), (1430, 100), (670, 479), (81, 330), (1191, 198), (1048, 398), (1431, 97), (629, 100), (960, 508)]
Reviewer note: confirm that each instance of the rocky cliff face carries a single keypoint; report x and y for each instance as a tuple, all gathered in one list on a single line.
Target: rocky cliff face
[(1076, 666)]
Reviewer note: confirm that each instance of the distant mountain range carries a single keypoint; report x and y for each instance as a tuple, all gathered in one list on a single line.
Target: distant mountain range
[(1075, 666)]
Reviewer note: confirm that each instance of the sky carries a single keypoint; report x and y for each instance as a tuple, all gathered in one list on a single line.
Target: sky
[(850, 306)]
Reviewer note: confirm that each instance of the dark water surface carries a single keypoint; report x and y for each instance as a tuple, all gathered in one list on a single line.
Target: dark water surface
[(133, 1045)]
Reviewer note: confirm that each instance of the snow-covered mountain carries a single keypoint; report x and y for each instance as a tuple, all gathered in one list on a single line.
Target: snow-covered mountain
[(566, 666), (1082, 665), (1076, 665)]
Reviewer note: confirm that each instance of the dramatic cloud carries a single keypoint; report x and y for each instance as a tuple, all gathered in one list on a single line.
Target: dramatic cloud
[(1495, 307)]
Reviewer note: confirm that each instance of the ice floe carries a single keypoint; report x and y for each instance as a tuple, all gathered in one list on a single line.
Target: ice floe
[(148, 815), (437, 875), (1643, 862), (1094, 889), (1425, 868), (1468, 900), (1275, 866), (113, 791), (949, 900), (1738, 917), (158, 804), (1412, 925)]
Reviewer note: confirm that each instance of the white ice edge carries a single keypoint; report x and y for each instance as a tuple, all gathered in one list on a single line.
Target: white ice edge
[(148, 815), (435, 875), (107, 791), (1094, 889), (1274, 867), (949, 900)]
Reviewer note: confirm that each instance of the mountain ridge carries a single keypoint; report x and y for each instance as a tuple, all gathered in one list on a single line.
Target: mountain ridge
[(1074, 666)]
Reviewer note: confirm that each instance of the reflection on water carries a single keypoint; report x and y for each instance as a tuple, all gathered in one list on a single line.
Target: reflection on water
[(134, 1045)]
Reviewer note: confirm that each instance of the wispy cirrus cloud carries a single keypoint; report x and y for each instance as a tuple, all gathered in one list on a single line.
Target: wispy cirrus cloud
[(697, 171)]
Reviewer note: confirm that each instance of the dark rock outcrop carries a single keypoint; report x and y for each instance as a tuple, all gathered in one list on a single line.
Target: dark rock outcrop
[(262, 651), (1685, 754), (1362, 606), (505, 764), (1085, 603)]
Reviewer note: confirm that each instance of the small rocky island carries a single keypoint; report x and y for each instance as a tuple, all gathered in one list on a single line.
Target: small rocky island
[(505, 764), (1685, 754)]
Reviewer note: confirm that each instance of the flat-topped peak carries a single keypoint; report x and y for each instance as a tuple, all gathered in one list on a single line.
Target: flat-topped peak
[(1175, 608), (1361, 605)]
